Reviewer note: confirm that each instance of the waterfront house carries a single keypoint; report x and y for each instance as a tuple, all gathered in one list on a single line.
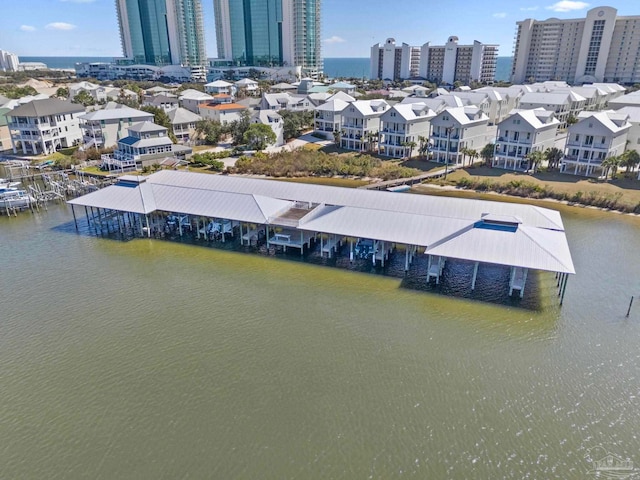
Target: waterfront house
[(183, 124), (147, 144), (103, 128), (595, 137), (44, 126), (401, 126), (361, 123), (522, 132), (633, 135), (328, 118), (456, 128), (629, 100)]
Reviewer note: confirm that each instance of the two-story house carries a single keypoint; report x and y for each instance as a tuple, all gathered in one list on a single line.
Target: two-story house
[(401, 129), (183, 123), (521, 133), (565, 104), (44, 126), (285, 101), (191, 99), (595, 137), (219, 86)]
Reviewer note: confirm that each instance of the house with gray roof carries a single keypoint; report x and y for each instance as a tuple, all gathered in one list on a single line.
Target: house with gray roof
[(44, 126), (521, 133), (191, 99), (103, 128), (594, 138), (285, 101), (147, 144), (328, 118), (563, 104), (183, 124)]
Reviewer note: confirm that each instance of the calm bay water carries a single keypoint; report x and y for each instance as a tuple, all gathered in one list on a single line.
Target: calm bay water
[(150, 359)]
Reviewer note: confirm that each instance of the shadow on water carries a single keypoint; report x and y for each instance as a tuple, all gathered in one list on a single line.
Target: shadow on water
[(492, 282)]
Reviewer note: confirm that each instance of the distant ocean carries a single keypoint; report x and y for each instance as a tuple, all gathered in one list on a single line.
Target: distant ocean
[(359, 67), (333, 67)]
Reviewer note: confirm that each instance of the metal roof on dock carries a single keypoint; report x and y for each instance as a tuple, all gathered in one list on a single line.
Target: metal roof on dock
[(477, 230)]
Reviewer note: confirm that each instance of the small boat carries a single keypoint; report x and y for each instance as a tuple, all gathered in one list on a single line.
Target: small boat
[(14, 198)]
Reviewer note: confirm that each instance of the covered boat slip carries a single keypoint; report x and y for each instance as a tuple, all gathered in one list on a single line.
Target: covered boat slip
[(374, 224)]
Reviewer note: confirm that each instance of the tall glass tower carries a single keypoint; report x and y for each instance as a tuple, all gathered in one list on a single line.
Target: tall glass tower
[(269, 32), (162, 32)]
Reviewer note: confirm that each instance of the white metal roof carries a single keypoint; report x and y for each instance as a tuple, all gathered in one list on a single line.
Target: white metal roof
[(478, 230)]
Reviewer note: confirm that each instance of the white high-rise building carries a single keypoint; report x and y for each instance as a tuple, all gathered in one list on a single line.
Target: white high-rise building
[(8, 61), (601, 47), (445, 63), (269, 33)]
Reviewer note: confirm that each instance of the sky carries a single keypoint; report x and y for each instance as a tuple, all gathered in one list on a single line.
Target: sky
[(349, 27)]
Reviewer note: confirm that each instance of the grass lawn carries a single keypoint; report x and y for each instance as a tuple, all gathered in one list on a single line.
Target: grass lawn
[(202, 148), (329, 181), (627, 189), (96, 171)]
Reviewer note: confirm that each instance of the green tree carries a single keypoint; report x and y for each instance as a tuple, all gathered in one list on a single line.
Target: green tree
[(62, 92), (535, 159), (610, 165), (487, 153), (630, 159), (423, 145), (473, 155), (553, 156), (337, 137), (210, 131), (12, 91), (161, 118), (259, 135), (409, 146), (84, 98)]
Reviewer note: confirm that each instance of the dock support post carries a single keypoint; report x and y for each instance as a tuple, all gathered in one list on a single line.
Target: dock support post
[(146, 218), (564, 289), (511, 279), (74, 217), (384, 253), (350, 250), (475, 275), (267, 236), (524, 282), (321, 247), (86, 213), (629, 309), (406, 258)]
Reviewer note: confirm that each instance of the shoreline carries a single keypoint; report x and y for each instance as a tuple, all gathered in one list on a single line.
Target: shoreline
[(459, 190)]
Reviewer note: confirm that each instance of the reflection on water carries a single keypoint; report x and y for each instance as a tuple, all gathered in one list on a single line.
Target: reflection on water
[(153, 359)]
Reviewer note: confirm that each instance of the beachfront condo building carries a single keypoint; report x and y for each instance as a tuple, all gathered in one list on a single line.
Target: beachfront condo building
[(8, 61), (436, 63), (270, 33), (602, 47), (162, 32)]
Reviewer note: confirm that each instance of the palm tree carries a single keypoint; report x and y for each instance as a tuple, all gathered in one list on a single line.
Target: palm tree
[(630, 159), (487, 153), (410, 145), (535, 159), (464, 151), (423, 145), (473, 155), (553, 156), (610, 164), (337, 136)]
